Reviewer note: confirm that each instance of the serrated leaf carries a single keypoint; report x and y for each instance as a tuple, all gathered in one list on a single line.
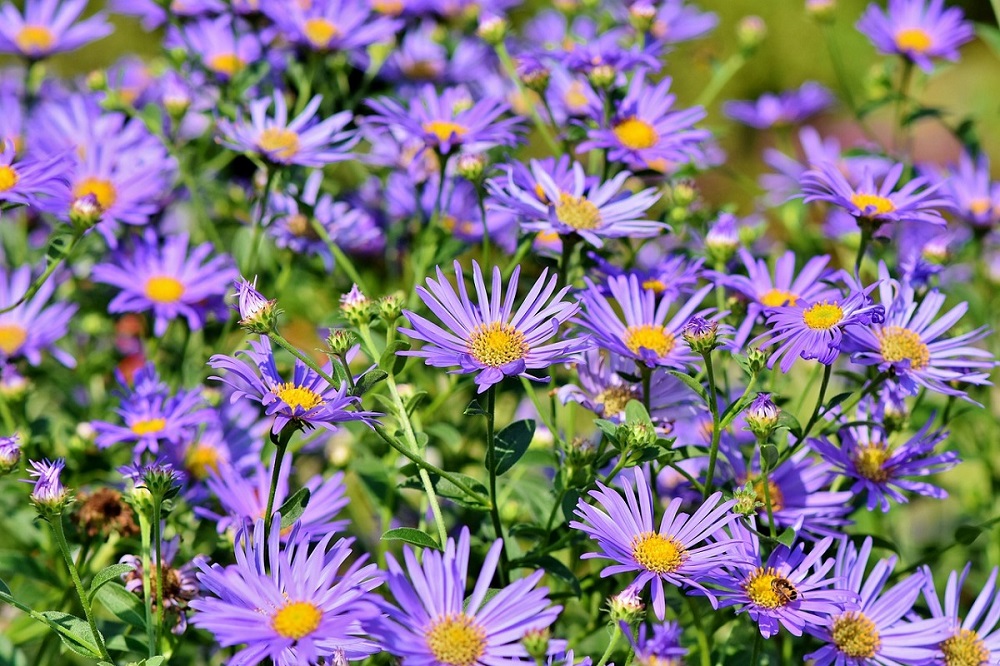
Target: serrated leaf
[(691, 383), (412, 536), (294, 507), (391, 361), (74, 632), (511, 443), (122, 604), (106, 575)]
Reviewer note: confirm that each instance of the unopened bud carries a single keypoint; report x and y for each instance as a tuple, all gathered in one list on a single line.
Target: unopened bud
[(756, 360), (471, 167), (85, 212), (10, 454), (821, 10), (627, 606), (641, 15), (636, 435), (535, 77), (602, 76), (722, 239), (357, 307), (49, 495), (750, 32), (683, 193), (340, 341), (762, 416), (257, 314), (492, 29), (536, 643), (701, 335), (747, 502), (97, 80)]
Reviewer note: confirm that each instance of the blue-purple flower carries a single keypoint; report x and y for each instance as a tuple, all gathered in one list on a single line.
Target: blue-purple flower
[(24, 181), (975, 638), (47, 27), (330, 25), (48, 491), (35, 325), (788, 108), (918, 30), (225, 46)]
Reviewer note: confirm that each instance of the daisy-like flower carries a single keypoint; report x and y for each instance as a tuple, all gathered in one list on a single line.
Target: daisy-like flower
[(976, 638), (918, 30), (448, 120), (875, 633), (331, 25), (23, 181), (909, 341), (47, 27), (659, 647), (593, 211), (308, 399), (432, 622), (645, 335), (625, 532), (35, 325), (308, 607), (224, 45), (666, 274), (788, 108), (646, 133), (489, 338), (677, 22), (884, 471), (815, 330), (48, 492), (298, 141), (975, 195), (170, 279)]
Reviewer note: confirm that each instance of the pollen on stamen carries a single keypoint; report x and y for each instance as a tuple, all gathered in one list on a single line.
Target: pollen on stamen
[(297, 619), (8, 177), (636, 134), (823, 316), (496, 344), (298, 396), (649, 336), (657, 553), (456, 639), (855, 635)]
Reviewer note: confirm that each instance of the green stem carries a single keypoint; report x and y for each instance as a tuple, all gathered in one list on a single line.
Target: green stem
[(60, 534), (704, 644), (432, 499), (713, 405), (540, 125), (491, 459), (281, 445), (758, 648), (565, 260), (145, 530), (258, 220), (647, 382), (867, 230), (53, 265), (899, 133), (813, 418), (720, 78), (612, 644), (772, 529), (158, 569), (341, 259)]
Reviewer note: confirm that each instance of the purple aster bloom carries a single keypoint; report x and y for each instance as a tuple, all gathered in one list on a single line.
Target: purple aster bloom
[(170, 279), (595, 211), (220, 445), (815, 330), (875, 634), (909, 343), (35, 325), (646, 334), (918, 30), (571, 96), (47, 27), (646, 133), (254, 308), (49, 490), (490, 338), (659, 647), (788, 108), (225, 47), (153, 15), (23, 181), (10, 453), (308, 399), (974, 639), (975, 195), (883, 471), (330, 25), (298, 141), (432, 622), (677, 22), (669, 275), (625, 533), (448, 120), (307, 607)]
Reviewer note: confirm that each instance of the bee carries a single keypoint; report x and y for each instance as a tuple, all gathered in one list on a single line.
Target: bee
[(784, 590)]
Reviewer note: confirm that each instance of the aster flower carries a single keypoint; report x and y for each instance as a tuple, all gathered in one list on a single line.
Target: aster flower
[(490, 338), (646, 133), (47, 27), (659, 647), (625, 533), (975, 195), (48, 492), (224, 45), (875, 633), (917, 30), (433, 623), (35, 325), (310, 607), (331, 25), (257, 313), (975, 639), (669, 275), (10, 453), (298, 141), (645, 335), (180, 583), (23, 181), (153, 15), (788, 108), (308, 400), (675, 22), (170, 279)]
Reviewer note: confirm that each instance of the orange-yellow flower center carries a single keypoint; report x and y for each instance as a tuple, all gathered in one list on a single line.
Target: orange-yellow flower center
[(298, 396), (388, 7), (773, 491), (872, 204), (164, 289), (657, 553), (823, 316), (202, 460), (901, 344), (980, 206), (769, 589), (636, 134), (319, 31), (870, 462), (577, 212), (226, 64), (456, 640), (35, 39), (649, 336), (855, 635), (574, 97), (280, 142), (148, 426), (8, 177), (12, 336), (965, 649), (614, 399), (654, 285), (496, 344), (103, 190), (777, 297), (916, 40), (297, 619), (444, 130)]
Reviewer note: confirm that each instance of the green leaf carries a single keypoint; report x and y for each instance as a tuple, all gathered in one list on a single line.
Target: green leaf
[(636, 412), (449, 490), (106, 575), (58, 248), (417, 399), (368, 381), (74, 632), (294, 507), (511, 443), (966, 534), (991, 35), (474, 409), (4, 589), (122, 604), (391, 361), (691, 383), (787, 538), (413, 536), (126, 643), (786, 420), (768, 456)]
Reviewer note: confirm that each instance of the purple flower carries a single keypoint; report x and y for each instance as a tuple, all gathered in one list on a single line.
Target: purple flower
[(47, 27), (254, 308), (788, 108), (659, 647), (23, 181), (918, 30), (975, 195), (35, 325), (225, 46), (49, 491), (490, 338), (677, 22), (331, 25), (624, 531), (975, 639), (10, 453), (180, 582)]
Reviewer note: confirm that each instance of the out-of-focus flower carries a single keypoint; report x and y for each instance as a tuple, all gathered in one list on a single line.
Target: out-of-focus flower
[(47, 27), (974, 638), (788, 108), (35, 325), (330, 25), (918, 30)]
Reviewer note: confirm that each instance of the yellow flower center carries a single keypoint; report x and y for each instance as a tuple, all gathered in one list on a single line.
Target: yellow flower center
[(870, 462), (456, 640), (769, 589), (202, 460), (33, 39), (901, 344), (965, 649), (777, 497), (164, 289), (226, 64), (775, 298), (636, 134), (388, 7), (496, 344), (8, 177), (916, 40), (445, 130), (574, 98), (103, 191), (280, 142), (654, 285), (855, 635), (298, 396), (649, 336), (657, 553), (148, 426), (881, 205), (823, 316), (12, 336), (614, 399), (319, 31), (980, 206), (297, 619), (577, 212)]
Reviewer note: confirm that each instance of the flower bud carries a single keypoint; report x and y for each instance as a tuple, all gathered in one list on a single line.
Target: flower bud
[(534, 76), (10, 454), (762, 416), (357, 307), (635, 435), (85, 212), (722, 239), (701, 335), (683, 193), (97, 80), (756, 359), (641, 15), (626, 606), (536, 643), (602, 76), (492, 29), (257, 314), (750, 32), (471, 167), (49, 495), (747, 502), (340, 341)]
